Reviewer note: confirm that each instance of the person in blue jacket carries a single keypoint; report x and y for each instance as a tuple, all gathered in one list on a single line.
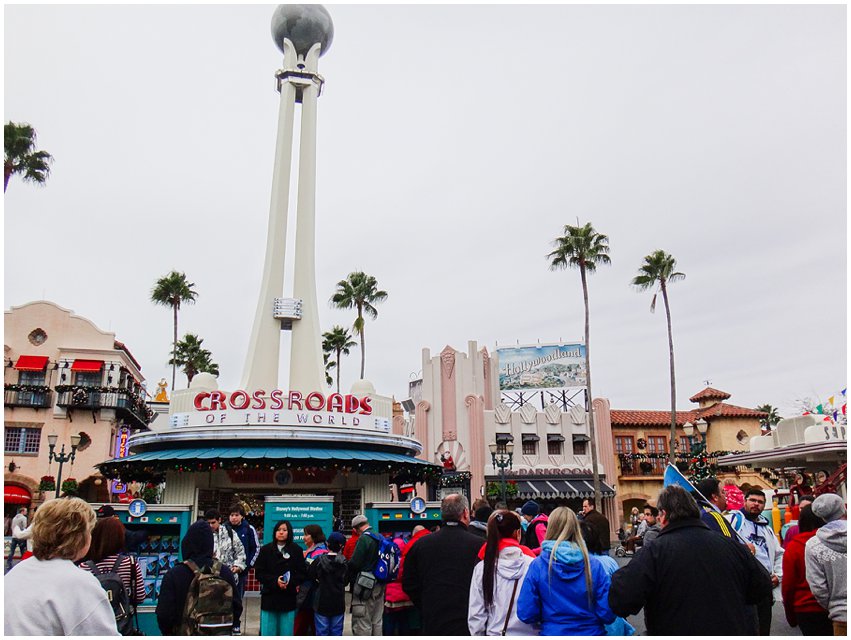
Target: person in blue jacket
[(566, 590)]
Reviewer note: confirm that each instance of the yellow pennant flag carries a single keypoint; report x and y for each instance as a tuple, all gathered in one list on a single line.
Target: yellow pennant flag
[(830, 400)]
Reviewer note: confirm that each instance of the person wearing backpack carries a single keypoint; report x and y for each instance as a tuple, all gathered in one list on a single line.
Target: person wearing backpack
[(329, 572), (118, 573), (280, 569), (198, 596), (367, 592), (314, 539)]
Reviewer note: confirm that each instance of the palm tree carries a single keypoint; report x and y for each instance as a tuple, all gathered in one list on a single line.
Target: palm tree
[(20, 155), (660, 269), (584, 248), (361, 292), (773, 417), (337, 341), (193, 358), (171, 291)]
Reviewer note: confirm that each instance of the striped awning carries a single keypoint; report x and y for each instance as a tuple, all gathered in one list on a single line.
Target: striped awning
[(560, 488)]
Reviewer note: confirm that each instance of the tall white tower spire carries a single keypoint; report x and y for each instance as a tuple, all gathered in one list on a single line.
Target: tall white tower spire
[(303, 33)]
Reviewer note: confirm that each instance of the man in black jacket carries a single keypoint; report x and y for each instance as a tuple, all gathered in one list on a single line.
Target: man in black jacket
[(439, 568), (690, 580), (197, 545)]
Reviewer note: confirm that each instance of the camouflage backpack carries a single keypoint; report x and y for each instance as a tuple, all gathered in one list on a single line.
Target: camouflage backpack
[(209, 603)]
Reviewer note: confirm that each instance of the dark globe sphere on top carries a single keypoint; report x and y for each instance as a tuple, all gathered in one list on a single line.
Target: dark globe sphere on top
[(304, 25)]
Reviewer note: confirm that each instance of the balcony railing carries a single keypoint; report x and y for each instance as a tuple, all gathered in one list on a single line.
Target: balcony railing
[(124, 402), (32, 396)]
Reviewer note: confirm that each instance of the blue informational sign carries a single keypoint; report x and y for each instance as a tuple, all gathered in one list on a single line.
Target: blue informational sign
[(418, 506), (137, 508), (300, 511)]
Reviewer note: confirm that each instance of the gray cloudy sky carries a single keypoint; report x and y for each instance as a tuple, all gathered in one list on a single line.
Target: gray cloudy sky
[(454, 144)]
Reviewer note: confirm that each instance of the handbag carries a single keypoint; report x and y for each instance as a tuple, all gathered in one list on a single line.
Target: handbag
[(510, 607), (364, 583)]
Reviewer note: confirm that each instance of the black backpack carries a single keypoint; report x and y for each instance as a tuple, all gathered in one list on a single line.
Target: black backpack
[(110, 581)]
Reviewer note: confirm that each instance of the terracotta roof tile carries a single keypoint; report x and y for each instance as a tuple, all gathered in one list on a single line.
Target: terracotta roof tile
[(630, 417), (709, 394), (640, 418), (729, 411)]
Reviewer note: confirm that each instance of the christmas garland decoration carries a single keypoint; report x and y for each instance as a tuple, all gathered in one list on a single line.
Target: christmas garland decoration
[(80, 396), (154, 471), (35, 388), (454, 478), (697, 465)]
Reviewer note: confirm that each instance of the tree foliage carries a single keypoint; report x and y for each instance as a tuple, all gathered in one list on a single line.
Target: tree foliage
[(583, 248), (338, 341), (21, 157), (660, 269), (193, 358), (359, 291), (172, 290)]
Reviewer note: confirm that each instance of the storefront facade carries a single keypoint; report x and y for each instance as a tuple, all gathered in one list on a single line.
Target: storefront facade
[(63, 376)]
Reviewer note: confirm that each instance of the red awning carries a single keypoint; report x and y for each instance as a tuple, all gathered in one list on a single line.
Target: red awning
[(87, 365), (16, 495), (31, 363)]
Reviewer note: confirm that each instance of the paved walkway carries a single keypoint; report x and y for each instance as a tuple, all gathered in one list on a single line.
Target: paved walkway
[(251, 616)]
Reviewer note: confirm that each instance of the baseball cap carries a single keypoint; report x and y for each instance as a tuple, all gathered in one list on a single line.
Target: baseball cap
[(105, 511), (359, 520)]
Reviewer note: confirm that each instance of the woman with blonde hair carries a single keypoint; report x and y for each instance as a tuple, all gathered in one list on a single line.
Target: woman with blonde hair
[(50, 582), (566, 590)]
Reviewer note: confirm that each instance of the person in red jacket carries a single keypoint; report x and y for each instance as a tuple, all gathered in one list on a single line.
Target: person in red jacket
[(802, 609), (352, 542)]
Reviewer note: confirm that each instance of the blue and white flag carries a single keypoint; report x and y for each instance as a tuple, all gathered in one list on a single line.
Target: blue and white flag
[(673, 476)]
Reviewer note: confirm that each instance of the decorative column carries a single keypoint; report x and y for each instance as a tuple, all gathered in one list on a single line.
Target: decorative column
[(448, 395), (303, 33), (476, 452), (307, 371)]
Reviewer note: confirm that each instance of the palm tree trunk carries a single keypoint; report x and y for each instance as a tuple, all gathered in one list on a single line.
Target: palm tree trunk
[(338, 369), (174, 352), (591, 428), (673, 442), (362, 345), (7, 173)]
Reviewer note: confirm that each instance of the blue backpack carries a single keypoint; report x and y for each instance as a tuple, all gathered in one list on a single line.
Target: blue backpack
[(387, 564)]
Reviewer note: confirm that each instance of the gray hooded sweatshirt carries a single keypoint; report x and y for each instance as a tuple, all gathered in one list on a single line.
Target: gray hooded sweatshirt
[(826, 559)]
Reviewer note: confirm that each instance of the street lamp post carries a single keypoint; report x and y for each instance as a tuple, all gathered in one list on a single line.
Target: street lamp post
[(61, 457), (701, 426), (502, 454)]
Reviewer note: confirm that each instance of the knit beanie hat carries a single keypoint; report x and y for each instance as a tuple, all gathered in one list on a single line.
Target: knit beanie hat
[(531, 508), (829, 507), (336, 541)]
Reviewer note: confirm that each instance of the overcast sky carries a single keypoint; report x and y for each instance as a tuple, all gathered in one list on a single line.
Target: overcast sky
[(454, 143)]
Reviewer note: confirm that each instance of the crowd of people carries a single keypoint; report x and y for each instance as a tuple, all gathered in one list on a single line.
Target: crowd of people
[(697, 569)]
